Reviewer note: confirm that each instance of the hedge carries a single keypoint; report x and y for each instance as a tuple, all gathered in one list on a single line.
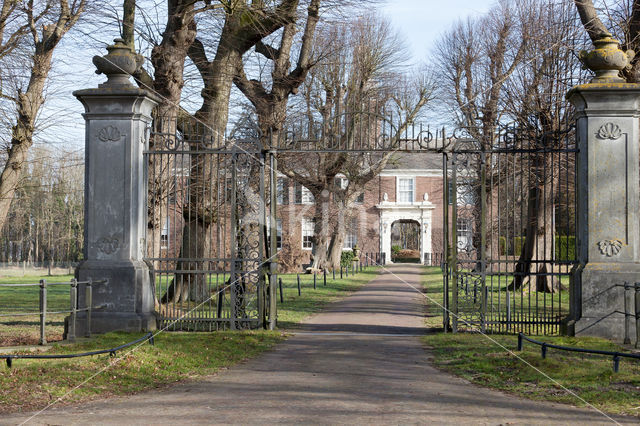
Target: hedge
[(565, 247)]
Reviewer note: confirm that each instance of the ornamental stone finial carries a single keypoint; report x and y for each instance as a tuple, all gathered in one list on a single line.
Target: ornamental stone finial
[(118, 64), (606, 60)]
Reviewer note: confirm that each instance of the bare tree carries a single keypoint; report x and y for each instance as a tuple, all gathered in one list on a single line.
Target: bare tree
[(535, 99), (245, 24), (351, 90), (478, 57), (47, 23)]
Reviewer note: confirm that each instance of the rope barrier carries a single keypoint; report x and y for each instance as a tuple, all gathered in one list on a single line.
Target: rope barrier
[(112, 352), (545, 346)]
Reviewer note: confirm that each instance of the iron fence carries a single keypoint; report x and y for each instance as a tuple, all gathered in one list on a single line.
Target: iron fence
[(511, 229)]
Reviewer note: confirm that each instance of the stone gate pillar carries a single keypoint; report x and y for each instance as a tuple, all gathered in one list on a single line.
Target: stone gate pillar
[(608, 206), (117, 116)]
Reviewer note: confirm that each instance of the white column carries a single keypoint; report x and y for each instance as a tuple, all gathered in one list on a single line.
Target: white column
[(385, 239)]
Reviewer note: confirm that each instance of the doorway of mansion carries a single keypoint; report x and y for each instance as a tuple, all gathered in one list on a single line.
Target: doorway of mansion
[(405, 241), (407, 227)]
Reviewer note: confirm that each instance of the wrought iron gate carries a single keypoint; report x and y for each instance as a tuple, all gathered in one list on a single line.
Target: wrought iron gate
[(206, 229), (510, 215)]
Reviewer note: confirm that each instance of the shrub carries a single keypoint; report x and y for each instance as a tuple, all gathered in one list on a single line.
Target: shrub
[(565, 247), (395, 249), (346, 258)]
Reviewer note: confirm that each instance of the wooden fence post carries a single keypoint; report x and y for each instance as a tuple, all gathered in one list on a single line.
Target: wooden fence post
[(43, 311)]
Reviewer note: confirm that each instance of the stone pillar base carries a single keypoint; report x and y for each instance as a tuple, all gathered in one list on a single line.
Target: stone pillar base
[(105, 322), (122, 297), (603, 300)]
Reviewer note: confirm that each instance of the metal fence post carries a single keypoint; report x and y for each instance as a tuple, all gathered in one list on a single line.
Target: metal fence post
[(324, 277), (73, 294), (299, 290), (637, 315), (280, 285), (627, 314), (340, 271), (314, 280), (89, 306), (43, 311)]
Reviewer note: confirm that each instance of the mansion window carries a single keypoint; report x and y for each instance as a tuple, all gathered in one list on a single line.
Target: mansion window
[(406, 188), (463, 231), (343, 183), (466, 195), (282, 195), (351, 238), (164, 235), (303, 195), (463, 226), (278, 233), (307, 234)]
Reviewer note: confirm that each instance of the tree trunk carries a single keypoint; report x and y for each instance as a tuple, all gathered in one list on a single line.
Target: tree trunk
[(537, 252), (28, 106), (201, 211), (321, 230), (337, 238)]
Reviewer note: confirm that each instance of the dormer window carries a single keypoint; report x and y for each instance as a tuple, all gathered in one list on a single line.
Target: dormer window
[(406, 190)]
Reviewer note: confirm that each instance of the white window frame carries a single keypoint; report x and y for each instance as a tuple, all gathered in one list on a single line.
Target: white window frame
[(351, 237), (344, 182), (463, 225), (281, 184), (307, 228), (307, 196), (413, 189), (164, 235), (464, 233), (278, 232)]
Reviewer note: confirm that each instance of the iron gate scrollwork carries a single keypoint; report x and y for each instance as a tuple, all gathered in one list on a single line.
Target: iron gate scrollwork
[(206, 237)]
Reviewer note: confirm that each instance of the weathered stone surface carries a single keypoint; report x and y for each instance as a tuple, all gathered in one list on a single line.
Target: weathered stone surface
[(608, 205), (117, 117)]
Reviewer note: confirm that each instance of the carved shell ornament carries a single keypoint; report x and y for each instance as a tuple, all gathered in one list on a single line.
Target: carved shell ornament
[(609, 131), (610, 248), (109, 134), (108, 245)]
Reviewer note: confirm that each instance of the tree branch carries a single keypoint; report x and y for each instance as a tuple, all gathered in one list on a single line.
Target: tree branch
[(267, 51), (198, 55), (589, 17)]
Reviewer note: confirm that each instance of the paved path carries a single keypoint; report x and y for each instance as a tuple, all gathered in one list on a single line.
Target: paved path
[(358, 363)]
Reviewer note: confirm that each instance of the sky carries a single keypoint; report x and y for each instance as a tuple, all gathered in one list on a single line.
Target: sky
[(422, 22)]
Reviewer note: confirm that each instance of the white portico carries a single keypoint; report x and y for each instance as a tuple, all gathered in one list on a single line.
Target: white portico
[(420, 212)]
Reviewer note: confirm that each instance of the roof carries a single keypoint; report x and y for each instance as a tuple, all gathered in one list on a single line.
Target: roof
[(414, 161)]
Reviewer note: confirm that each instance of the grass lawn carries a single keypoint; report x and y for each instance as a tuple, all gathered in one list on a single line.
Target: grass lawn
[(176, 356), (32, 384), (482, 361)]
